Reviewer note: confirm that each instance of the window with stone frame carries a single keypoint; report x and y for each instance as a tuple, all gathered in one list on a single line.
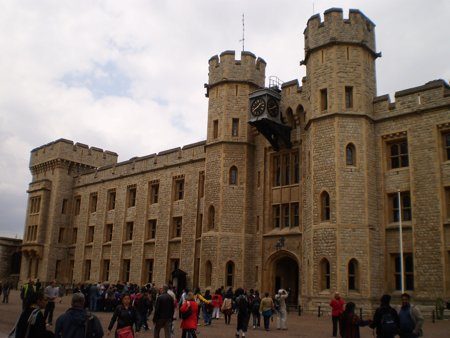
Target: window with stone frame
[(201, 184), (325, 207), (447, 202), (105, 269), (446, 141), (235, 127), (295, 214), (229, 274), (286, 215), (126, 268), (111, 199), (177, 223), (108, 232), (131, 196), (276, 213), (148, 270), (398, 154), (348, 97), (233, 176), (74, 235), (276, 171), (323, 99), (77, 205), (353, 275), (35, 204), (90, 234), (178, 189), (151, 229), (154, 192), (406, 209), (129, 231), (350, 155), (64, 206), (295, 157), (87, 269), (215, 129), (211, 217), (61, 235), (408, 269), (208, 273), (93, 202), (325, 274)]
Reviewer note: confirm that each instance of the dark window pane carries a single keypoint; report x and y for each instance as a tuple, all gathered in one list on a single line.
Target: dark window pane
[(394, 150), (395, 162), (405, 162), (404, 148)]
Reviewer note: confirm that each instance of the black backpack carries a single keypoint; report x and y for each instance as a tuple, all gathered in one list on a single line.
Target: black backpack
[(388, 325)]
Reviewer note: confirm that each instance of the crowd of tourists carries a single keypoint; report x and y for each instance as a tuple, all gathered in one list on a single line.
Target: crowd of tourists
[(132, 307)]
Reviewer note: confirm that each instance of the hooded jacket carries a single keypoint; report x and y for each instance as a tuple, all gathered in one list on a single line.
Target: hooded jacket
[(78, 323)]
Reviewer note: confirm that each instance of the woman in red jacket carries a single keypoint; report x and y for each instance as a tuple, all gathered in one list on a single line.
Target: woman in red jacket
[(189, 311)]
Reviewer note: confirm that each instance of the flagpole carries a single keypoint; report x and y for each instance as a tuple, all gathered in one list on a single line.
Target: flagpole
[(402, 272)]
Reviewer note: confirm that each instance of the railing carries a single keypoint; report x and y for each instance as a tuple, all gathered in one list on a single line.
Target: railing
[(275, 82)]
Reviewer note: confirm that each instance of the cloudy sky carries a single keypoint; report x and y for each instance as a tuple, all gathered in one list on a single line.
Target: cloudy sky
[(128, 76)]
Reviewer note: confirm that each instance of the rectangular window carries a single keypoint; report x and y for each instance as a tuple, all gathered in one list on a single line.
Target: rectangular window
[(174, 264), (198, 230), (108, 232), (129, 231), (87, 269), (74, 235), (64, 206), (58, 269), (131, 196), (276, 171), (149, 270), (93, 202), (348, 97), (201, 184), (295, 214), (90, 234), (77, 205), (276, 215), (126, 266), (398, 154), (61, 235), (405, 206), (111, 200), (295, 167), (408, 268), (323, 99), (235, 127), (447, 202), (215, 129), (177, 223), (154, 191), (446, 138), (179, 189), (286, 169), (35, 204), (105, 270), (286, 220), (151, 229)]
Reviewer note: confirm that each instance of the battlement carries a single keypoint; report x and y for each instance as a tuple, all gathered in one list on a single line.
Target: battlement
[(334, 29), (227, 69), (431, 95), (74, 152)]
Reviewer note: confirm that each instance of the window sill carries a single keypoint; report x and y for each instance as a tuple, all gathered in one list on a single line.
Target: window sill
[(151, 240), (89, 244), (285, 186), (287, 231), (128, 242), (396, 171), (395, 225), (107, 243), (175, 240)]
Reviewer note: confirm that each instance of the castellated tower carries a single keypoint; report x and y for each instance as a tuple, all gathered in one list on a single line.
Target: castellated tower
[(341, 226), (228, 166), (50, 205)]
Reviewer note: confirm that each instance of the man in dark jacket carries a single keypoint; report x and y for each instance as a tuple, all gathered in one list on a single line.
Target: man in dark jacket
[(385, 319), (76, 322), (31, 323), (143, 306), (164, 310)]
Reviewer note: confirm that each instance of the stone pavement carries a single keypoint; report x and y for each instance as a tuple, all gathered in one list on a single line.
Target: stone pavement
[(299, 327)]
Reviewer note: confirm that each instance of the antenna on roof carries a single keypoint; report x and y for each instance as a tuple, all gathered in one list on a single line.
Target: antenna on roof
[(243, 32)]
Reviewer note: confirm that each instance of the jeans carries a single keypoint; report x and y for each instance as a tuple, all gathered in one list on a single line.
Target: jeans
[(206, 316), (48, 313), (256, 319), (93, 303), (162, 324), (216, 313), (335, 325), (266, 322), (189, 333)]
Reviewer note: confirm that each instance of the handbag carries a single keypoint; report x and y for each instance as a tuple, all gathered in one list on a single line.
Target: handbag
[(186, 314), (125, 332)]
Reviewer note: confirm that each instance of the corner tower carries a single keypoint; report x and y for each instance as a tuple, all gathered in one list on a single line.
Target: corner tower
[(225, 221)]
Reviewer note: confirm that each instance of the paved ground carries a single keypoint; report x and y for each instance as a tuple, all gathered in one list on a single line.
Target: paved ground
[(304, 326)]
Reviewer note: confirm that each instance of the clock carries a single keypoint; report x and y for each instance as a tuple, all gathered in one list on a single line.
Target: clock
[(272, 107), (258, 106)]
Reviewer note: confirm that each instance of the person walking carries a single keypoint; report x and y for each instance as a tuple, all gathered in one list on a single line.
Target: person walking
[(126, 317), (410, 319), (266, 309), (5, 290), (337, 308), (282, 310), (51, 292), (27, 293), (164, 311), (385, 320), (350, 322), (227, 306), (76, 322), (256, 302), (143, 305), (207, 308), (93, 292), (217, 301), (189, 319), (242, 312)]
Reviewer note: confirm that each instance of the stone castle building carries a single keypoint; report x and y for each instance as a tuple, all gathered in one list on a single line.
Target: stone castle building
[(295, 186)]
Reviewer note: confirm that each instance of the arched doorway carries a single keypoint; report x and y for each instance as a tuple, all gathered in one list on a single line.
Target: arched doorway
[(285, 274)]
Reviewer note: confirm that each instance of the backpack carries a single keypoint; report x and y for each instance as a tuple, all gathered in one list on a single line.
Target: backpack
[(186, 314), (90, 328), (255, 305), (388, 325)]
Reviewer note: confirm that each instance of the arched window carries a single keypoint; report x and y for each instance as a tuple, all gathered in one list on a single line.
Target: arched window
[(350, 154), (301, 115), (325, 276), (288, 118), (233, 175), (353, 280), (325, 206), (229, 274), (211, 217), (208, 273)]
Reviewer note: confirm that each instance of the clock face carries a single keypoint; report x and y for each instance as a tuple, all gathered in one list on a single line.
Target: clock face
[(258, 106), (272, 107)]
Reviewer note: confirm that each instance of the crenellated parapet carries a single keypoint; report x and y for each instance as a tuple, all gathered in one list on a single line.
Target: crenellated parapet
[(334, 29), (227, 68), (431, 95), (62, 152)]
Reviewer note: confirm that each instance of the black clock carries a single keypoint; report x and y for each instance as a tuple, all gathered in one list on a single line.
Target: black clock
[(272, 107), (258, 106)]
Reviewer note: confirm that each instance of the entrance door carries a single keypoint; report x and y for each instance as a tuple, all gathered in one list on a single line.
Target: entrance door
[(286, 277)]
